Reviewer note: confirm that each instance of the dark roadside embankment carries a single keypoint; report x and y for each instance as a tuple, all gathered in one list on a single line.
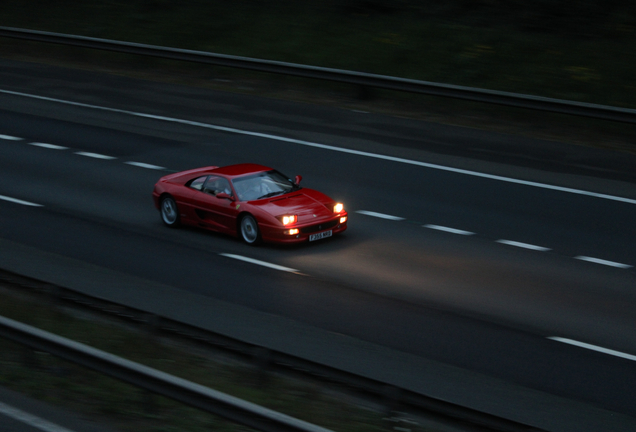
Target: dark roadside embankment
[(553, 49)]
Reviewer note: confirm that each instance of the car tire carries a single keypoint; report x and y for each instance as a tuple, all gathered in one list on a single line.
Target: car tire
[(248, 230), (169, 212)]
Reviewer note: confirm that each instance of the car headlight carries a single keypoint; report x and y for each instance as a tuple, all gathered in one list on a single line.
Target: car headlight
[(288, 219), (338, 208)]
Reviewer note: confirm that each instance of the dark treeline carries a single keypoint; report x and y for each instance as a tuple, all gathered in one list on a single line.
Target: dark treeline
[(580, 18), (588, 18), (600, 18)]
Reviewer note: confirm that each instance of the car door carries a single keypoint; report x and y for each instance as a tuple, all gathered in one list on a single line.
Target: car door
[(187, 198), (212, 211)]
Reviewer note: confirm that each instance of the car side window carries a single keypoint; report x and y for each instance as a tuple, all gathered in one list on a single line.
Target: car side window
[(216, 185), (197, 183)]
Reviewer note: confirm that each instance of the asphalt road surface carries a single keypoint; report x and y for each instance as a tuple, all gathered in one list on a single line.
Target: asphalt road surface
[(521, 269)]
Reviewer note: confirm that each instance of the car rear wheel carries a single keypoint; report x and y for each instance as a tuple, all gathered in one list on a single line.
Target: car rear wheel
[(169, 212), (249, 230)]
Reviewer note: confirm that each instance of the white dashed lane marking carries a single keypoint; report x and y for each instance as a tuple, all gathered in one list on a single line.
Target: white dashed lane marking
[(379, 215), (10, 138), (326, 147), (363, 212), (82, 153), (602, 261), (261, 263), (500, 241), (523, 245), (449, 230), (18, 201), (48, 146), (145, 165), (593, 347), (95, 155)]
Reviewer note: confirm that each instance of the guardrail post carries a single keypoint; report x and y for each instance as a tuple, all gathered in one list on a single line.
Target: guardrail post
[(391, 396), (152, 324), (262, 359), (54, 297)]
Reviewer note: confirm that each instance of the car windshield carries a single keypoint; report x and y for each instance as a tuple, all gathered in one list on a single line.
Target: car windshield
[(263, 185)]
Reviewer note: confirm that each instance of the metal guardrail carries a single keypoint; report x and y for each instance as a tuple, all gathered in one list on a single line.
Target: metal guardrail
[(394, 398), (212, 401), (561, 106)]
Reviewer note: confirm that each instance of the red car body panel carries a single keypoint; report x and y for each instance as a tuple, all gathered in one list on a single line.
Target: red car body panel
[(197, 208)]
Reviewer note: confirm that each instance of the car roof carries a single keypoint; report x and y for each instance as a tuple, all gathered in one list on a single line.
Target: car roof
[(240, 169)]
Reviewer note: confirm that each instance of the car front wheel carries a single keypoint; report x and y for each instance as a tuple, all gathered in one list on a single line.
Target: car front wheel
[(169, 212), (249, 230)]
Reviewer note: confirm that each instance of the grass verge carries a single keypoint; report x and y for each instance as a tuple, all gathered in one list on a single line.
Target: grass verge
[(528, 48), (512, 121), (126, 408), (555, 49)]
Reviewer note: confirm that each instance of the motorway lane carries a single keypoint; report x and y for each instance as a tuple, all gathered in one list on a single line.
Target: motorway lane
[(410, 262), (344, 127), (515, 355), (581, 228), (566, 223)]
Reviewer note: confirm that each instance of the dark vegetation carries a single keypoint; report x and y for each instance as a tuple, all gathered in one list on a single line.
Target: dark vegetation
[(580, 50), (123, 407)]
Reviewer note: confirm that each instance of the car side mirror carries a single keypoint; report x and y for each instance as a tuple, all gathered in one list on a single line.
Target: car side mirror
[(298, 179), (224, 195)]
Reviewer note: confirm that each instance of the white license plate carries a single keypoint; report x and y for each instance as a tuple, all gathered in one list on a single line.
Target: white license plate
[(319, 236)]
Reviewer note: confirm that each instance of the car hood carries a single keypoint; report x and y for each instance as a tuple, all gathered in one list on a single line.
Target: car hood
[(308, 204)]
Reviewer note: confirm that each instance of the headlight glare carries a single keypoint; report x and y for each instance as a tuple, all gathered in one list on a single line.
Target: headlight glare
[(288, 219)]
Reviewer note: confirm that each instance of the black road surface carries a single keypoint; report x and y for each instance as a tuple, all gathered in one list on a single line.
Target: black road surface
[(471, 271)]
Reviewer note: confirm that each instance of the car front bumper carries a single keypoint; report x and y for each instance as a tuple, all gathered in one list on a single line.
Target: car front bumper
[(305, 232)]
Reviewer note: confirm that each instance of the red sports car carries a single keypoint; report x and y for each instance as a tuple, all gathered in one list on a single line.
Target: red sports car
[(252, 201)]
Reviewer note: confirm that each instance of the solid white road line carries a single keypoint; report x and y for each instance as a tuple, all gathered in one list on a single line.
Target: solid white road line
[(261, 263), (523, 245), (95, 155), (601, 261), (10, 138), (17, 201), (447, 229), (333, 148), (48, 146), (593, 347), (30, 419), (145, 165), (379, 215)]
